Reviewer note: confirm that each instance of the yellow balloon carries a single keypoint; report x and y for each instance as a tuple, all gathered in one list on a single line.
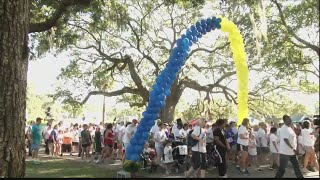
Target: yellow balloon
[(239, 57)]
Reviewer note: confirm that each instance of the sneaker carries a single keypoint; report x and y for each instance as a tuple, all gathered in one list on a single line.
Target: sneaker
[(312, 169), (271, 168), (259, 170), (304, 170), (225, 176), (245, 173)]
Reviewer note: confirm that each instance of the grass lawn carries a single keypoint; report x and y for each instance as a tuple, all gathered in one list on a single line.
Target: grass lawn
[(59, 168)]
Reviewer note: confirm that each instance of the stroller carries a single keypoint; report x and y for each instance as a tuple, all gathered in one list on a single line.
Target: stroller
[(146, 164), (180, 153), (212, 156)]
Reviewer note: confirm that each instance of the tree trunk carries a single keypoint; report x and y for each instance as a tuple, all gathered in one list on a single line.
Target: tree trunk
[(168, 112), (14, 22)]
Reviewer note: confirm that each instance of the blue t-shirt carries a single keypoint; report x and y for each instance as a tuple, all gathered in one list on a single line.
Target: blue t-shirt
[(230, 137), (36, 133)]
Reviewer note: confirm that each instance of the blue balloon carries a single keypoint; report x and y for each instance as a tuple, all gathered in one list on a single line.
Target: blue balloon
[(190, 36), (186, 48), (133, 140), (183, 36), (195, 39), (179, 42), (195, 32), (128, 156), (145, 134), (213, 19), (190, 42), (135, 157), (218, 26), (208, 28), (203, 22), (219, 20), (193, 28), (199, 35), (199, 28), (198, 24), (188, 32), (140, 128)]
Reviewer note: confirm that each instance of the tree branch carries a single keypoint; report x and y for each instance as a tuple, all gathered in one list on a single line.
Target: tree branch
[(292, 33), (53, 20), (110, 94)]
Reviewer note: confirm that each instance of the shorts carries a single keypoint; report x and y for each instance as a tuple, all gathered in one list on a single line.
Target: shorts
[(85, 145), (159, 150), (198, 159), (309, 149), (263, 150), (66, 147), (75, 143), (241, 147), (35, 146)]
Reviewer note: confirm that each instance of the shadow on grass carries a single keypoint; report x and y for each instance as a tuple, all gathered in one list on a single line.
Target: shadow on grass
[(66, 169)]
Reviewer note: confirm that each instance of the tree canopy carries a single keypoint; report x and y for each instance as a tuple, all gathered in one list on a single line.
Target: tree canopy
[(117, 48)]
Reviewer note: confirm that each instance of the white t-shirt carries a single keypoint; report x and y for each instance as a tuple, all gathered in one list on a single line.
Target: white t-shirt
[(174, 127), (183, 133), (301, 148), (75, 134), (243, 130), (308, 140), (252, 150), (120, 132), (198, 131), (161, 135), (274, 138), (154, 130), (278, 135), (262, 134), (47, 133), (288, 133), (130, 129), (176, 134), (235, 130), (168, 158), (209, 136)]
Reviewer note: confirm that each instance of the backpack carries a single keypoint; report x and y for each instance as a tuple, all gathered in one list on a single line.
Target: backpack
[(51, 136), (190, 141)]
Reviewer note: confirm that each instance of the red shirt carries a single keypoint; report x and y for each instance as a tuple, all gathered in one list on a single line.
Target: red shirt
[(110, 135)]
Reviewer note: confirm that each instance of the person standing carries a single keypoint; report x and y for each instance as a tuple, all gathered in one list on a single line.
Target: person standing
[(198, 159), (221, 146), (160, 139), (36, 134), (287, 149), (46, 135), (243, 142), (263, 142)]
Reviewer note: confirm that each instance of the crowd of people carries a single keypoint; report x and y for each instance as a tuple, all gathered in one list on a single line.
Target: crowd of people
[(205, 145)]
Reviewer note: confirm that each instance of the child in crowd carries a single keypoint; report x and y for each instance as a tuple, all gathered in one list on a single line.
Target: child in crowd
[(168, 158), (149, 156), (85, 141), (252, 150), (274, 148), (300, 147), (232, 143), (97, 140)]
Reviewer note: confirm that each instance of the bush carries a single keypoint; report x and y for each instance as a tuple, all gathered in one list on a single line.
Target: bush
[(131, 166)]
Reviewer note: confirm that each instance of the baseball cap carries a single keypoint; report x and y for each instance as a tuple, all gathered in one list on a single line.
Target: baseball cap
[(134, 121)]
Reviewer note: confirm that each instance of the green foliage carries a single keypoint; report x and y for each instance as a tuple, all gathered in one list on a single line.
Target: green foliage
[(131, 166)]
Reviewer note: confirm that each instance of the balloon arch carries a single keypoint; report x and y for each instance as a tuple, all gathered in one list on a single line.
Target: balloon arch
[(178, 57)]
